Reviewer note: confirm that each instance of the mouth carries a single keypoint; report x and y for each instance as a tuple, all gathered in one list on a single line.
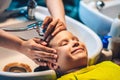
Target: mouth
[(77, 50)]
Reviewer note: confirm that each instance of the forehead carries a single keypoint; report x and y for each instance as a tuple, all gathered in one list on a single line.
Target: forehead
[(64, 34), (60, 36)]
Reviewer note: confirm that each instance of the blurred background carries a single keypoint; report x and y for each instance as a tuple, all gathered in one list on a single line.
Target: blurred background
[(71, 6)]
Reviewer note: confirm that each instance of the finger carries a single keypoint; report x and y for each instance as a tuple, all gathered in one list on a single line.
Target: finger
[(42, 54), (59, 27), (46, 21), (46, 59), (50, 28), (37, 40), (43, 48), (51, 60), (40, 63), (49, 38), (40, 41)]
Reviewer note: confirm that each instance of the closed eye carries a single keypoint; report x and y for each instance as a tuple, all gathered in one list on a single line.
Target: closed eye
[(63, 42)]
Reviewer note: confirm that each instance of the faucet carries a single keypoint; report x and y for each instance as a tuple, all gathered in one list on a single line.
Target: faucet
[(36, 25), (32, 4), (100, 4)]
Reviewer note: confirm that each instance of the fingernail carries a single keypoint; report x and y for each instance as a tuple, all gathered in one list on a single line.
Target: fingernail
[(54, 51), (44, 64), (55, 56), (44, 43), (52, 34)]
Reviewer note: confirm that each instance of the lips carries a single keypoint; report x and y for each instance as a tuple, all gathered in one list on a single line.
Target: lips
[(77, 50)]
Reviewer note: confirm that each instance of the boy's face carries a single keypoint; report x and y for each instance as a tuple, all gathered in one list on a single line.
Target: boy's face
[(72, 53)]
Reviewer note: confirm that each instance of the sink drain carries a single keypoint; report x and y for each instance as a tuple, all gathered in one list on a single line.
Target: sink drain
[(17, 68)]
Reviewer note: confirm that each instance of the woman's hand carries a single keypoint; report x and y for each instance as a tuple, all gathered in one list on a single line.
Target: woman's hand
[(52, 27), (36, 50)]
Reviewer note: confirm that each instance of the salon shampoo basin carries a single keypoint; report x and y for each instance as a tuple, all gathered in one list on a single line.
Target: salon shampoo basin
[(99, 20), (14, 60)]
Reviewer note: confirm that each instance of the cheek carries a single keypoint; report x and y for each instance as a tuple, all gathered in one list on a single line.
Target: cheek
[(64, 58), (64, 52), (64, 55)]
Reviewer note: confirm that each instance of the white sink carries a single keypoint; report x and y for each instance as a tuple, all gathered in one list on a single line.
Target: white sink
[(7, 56), (99, 20)]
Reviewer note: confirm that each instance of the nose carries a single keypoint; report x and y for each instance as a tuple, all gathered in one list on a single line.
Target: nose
[(75, 44)]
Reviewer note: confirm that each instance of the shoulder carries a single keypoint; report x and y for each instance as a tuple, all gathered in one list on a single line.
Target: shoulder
[(107, 63)]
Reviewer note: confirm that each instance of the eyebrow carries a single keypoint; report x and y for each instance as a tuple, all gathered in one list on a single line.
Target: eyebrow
[(75, 37)]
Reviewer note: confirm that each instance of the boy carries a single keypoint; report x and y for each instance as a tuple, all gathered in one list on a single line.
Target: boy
[(73, 58)]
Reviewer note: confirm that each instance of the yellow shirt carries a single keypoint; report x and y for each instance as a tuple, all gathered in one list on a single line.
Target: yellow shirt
[(106, 70)]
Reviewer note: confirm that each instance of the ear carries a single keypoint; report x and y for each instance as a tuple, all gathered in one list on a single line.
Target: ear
[(52, 66)]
